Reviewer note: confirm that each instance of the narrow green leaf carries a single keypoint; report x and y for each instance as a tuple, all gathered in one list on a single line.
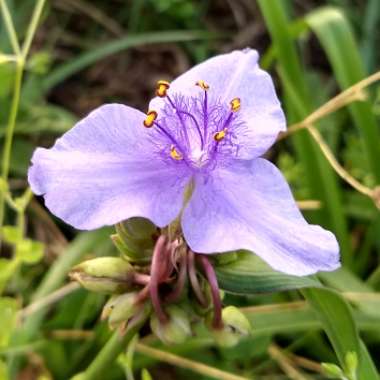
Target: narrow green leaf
[(87, 58), (337, 321), (145, 375), (249, 274), (345, 281), (369, 40), (368, 369), (334, 33), (320, 177)]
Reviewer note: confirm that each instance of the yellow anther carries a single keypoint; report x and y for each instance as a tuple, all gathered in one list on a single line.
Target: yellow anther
[(235, 104), (151, 116), (219, 136), (202, 84), (175, 154), (162, 88)]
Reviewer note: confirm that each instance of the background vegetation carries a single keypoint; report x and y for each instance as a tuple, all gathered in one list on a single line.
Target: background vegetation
[(85, 53)]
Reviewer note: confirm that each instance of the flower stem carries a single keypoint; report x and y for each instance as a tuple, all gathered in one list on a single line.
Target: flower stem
[(115, 345), (9, 133), (32, 27), (211, 277), (20, 64), (181, 362), (351, 94), (10, 27)]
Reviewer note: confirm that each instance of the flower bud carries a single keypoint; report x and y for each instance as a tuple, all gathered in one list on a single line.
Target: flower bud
[(235, 327), (104, 274), (139, 228), (351, 360), (176, 330), (120, 308), (332, 371), (226, 258), (135, 239)]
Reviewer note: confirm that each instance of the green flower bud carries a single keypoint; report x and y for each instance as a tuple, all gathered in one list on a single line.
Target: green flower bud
[(226, 258), (104, 274), (139, 228), (235, 327), (332, 371), (351, 360), (135, 239), (176, 330), (120, 308)]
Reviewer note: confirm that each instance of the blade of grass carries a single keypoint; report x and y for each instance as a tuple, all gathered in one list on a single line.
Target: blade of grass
[(108, 354), (266, 320), (87, 58), (10, 27), (321, 179), (370, 27), (334, 33), (345, 281), (337, 321), (80, 246)]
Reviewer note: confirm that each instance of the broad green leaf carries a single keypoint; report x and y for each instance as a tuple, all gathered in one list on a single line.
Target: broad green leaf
[(338, 323), (249, 274), (8, 309)]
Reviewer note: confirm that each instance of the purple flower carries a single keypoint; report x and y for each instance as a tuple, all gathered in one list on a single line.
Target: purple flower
[(203, 136)]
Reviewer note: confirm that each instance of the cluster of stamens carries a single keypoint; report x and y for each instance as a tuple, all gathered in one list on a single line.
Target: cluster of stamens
[(208, 139)]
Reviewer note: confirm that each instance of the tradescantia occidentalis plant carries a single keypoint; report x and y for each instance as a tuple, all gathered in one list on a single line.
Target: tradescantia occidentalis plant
[(192, 165)]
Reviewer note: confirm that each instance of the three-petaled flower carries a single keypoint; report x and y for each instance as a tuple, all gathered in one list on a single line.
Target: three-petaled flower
[(203, 136)]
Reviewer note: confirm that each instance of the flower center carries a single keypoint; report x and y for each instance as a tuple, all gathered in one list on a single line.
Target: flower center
[(194, 129)]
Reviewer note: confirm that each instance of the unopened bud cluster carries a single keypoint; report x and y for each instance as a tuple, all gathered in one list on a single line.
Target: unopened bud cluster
[(159, 279)]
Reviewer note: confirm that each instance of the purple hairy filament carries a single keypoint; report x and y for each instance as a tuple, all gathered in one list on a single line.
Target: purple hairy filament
[(196, 131), (172, 265)]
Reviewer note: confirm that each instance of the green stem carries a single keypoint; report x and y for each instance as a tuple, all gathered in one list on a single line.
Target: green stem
[(32, 27), (110, 352), (10, 27), (20, 64), (80, 246), (9, 133)]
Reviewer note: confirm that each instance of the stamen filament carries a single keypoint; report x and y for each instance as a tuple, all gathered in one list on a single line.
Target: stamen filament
[(205, 118), (217, 321), (181, 280), (196, 124), (194, 279), (167, 134), (180, 118)]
